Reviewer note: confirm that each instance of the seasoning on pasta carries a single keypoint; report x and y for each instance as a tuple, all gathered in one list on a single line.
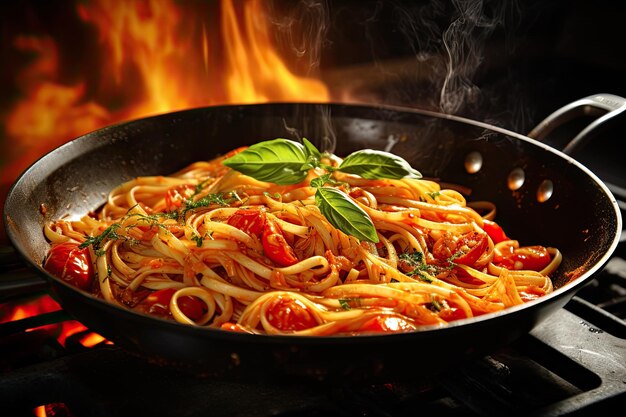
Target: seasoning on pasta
[(280, 238)]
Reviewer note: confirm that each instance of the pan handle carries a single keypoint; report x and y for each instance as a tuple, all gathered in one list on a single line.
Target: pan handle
[(606, 106)]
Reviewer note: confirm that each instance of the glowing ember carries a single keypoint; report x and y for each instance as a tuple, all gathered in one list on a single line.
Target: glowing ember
[(61, 331)]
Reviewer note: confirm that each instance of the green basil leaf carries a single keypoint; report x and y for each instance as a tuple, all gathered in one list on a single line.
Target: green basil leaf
[(279, 161), (312, 151), (375, 165), (345, 214), (320, 181)]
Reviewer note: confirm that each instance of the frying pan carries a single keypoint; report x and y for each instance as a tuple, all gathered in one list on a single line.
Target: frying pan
[(542, 195)]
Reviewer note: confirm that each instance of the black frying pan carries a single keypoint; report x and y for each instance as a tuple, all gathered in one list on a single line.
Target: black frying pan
[(542, 197)]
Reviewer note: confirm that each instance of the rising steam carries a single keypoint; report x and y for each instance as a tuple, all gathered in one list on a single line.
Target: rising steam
[(455, 32)]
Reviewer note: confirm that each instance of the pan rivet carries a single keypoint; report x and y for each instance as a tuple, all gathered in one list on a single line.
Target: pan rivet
[(516, 179), (544, 192), (473, 162)]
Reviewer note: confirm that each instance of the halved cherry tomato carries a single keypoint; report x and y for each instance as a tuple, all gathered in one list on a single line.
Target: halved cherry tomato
[(494, 231), (526, 257), (386, 324), (158, 303), (471, 244), (175, 196), (275, 246), (70, 263), (288, 314), (250, 221)]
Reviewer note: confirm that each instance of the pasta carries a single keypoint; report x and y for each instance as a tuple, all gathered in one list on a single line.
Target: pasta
[(211, 246)]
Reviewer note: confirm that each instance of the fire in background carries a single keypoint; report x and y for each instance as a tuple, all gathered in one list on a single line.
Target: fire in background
[(76, 66)]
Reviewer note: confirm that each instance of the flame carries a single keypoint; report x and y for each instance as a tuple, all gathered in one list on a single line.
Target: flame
[(153, 56), (62, 331), (255, 71)]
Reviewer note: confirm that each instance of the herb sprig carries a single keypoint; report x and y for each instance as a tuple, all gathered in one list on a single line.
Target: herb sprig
[(286, 162)]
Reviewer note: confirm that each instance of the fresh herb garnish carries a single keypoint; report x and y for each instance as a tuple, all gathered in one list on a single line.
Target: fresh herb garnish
[(280, 161), (110, 233), (374, 165), (221, 199), (415, 260), (345, 214), (286, 162)]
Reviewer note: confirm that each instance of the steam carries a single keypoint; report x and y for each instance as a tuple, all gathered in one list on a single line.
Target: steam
[(464, 52), (301, 30), (456, 50)]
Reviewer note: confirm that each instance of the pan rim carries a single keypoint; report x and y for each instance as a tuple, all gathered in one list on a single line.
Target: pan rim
[(572, 286)]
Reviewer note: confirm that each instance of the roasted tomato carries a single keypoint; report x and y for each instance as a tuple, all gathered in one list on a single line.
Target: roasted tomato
[(473, 244), (386, 324), (464, 251), (70, 263), (494, 231), (275, 246), (175, 196), (158, 303), (255, 222), (285, 313), (526, 257), (250, 221)]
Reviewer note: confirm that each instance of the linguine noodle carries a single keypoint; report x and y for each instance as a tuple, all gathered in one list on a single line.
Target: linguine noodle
[(210, 246)]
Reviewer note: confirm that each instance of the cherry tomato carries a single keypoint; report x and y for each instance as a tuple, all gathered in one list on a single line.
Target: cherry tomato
[(451, 312), (158, 303), (494, 231), (275, 246), (386, 324), (471, 244), (288, 314), (70, 263), (526, 257), (250, 221), (476, 243), (175, 196)]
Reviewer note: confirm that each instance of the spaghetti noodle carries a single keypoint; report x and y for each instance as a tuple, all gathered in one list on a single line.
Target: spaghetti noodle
[(211, 246)]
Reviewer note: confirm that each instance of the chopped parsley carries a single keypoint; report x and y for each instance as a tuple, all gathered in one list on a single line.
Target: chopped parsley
[(415, 260), (221, 199)]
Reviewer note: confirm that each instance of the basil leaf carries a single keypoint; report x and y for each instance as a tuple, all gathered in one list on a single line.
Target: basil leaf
[(345, 214), (279, 161), (312, 151), (374, 165)]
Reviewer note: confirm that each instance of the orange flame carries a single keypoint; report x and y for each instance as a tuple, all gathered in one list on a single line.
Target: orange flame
[(157, 56)]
